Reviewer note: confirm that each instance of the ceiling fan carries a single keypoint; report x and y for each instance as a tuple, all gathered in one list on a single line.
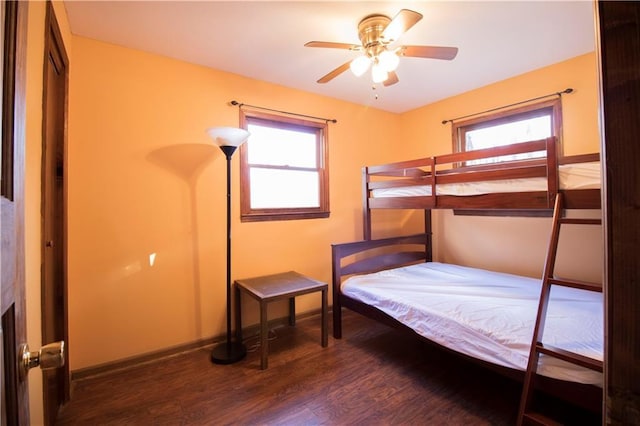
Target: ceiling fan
[(377, 33)]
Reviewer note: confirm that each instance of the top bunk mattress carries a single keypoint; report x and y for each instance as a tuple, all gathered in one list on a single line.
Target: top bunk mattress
[(570, 176), (488, 315)]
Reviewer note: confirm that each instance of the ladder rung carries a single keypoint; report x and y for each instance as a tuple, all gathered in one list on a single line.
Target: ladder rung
[(583, 285), (580, 221), (572, 357), (533, 418)]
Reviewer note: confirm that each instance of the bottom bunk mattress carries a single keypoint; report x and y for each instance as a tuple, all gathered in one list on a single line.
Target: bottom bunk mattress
[(488, 315)]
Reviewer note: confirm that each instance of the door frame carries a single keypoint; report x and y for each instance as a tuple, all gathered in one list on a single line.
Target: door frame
[(54, 303)]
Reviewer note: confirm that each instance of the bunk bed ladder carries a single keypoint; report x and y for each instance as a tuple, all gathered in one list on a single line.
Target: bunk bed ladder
[(526, 415)]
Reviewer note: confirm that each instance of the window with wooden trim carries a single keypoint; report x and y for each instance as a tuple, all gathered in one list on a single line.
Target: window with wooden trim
[(283, 168), (532, 122)]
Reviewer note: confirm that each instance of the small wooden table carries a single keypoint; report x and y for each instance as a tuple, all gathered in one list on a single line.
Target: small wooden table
[(268, 288)]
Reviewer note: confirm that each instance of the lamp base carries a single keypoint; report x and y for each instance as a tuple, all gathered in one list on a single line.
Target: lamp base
[(228, 353)]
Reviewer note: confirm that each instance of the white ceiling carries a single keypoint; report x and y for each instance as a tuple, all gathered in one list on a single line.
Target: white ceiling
[(265, 40)]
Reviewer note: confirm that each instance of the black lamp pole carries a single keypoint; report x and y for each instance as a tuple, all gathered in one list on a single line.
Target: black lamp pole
[(229, 351)]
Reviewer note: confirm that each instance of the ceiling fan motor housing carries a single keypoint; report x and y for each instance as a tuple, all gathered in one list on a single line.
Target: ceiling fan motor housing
[(370, 31)]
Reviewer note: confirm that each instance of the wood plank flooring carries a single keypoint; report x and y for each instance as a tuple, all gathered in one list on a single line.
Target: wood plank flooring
[(372, 376)]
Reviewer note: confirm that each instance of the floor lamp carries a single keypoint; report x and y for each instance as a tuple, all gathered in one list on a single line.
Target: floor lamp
[(228, 139)]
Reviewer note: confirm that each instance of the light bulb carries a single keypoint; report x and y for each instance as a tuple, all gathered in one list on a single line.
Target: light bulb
[(378, 74), (360, 65), (388, 60)]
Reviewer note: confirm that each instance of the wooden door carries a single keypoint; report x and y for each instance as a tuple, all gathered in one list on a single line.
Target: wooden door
[(15, 398), (54, 283)]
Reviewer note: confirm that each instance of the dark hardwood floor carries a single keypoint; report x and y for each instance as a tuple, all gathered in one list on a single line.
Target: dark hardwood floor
[(372, 376)]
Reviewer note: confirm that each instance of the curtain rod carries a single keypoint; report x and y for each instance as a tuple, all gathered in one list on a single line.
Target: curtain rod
[(240, 105), (569, 90)]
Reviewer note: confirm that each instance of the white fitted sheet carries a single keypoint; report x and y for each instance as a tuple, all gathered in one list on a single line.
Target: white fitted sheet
[(488, 315), (570, 176)]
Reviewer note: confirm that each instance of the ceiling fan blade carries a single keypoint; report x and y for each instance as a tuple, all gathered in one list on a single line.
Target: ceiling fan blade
[(333, 45), (336, 72), (391, 79), (433, 52), (400, 23)]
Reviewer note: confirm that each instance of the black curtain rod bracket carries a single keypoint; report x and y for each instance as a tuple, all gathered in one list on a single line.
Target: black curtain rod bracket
[(240, 105), (559, 94)]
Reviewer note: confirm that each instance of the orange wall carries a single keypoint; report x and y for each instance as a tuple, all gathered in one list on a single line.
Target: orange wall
[(516, 245), (424, 125), (137, 127)]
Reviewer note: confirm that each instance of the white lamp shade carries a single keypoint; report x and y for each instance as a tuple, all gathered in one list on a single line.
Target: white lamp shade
[(360, 65), (228, 136), (388, 61), (378, 74)]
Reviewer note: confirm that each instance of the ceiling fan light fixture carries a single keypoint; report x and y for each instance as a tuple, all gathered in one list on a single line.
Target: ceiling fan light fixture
[(376, 33), (388, 60), (360, 65), (378, 73)]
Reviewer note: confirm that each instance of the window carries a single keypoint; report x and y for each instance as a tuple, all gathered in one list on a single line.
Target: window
[(283, 168), (533, 122)]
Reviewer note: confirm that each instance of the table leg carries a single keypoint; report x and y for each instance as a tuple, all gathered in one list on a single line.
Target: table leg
[(264, 331), (238, 314), (292, 311), (325, 323)]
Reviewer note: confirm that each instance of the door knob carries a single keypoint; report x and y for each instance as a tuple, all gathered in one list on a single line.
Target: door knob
[(48, 357)]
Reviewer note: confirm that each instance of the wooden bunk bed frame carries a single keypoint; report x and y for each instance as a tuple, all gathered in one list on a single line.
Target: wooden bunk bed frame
[(446, 169), (367, 256), (372, 255)]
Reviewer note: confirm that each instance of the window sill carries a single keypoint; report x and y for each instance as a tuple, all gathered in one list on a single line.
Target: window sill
[(263, 217)]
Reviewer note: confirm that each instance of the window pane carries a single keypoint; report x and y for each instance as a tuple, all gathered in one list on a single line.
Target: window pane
[(280, 147), (507, 134), (283, 188)]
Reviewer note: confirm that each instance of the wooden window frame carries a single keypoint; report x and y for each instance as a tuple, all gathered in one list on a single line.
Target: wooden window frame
[(247, 214), (459, 129)]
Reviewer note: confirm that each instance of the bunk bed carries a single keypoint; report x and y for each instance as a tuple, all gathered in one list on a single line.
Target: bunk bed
[(484, 316)]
